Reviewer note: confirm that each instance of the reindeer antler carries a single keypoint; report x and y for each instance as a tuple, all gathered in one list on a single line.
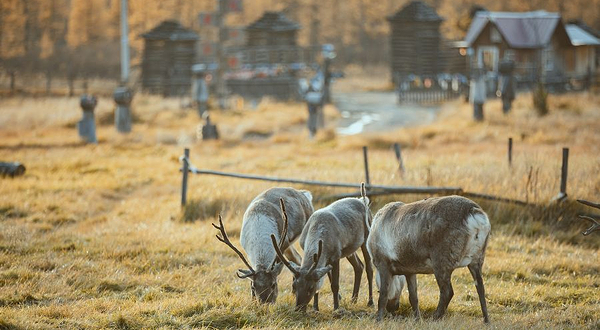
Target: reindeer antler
[(285, 224), (595, 224), (283, 232), (225, 239), (282, 257), (316, 257)]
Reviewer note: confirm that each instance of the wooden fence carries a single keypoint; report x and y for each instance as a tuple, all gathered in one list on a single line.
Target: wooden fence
[(280, 88), (427, 96), (274, 54), (372, 189)]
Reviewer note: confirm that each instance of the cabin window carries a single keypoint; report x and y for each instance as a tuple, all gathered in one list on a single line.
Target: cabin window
[(487, 57), (510, 55), (548, 59), (495, 35)]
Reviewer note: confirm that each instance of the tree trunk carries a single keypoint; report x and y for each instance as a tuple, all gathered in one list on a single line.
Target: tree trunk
[(71, 83), (362, 32), (48, 81), (315, 24), (12, 80)]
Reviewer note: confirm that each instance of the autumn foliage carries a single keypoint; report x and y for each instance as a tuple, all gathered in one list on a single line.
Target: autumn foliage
[(75, 38)]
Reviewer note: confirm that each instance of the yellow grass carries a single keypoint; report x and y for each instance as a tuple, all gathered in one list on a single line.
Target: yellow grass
[(92, 237)]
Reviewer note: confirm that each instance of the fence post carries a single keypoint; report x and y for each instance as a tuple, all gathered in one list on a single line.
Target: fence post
[(366, 159), (510, 147), (562, 195), (563, 173), (186, 155), (399, 157)]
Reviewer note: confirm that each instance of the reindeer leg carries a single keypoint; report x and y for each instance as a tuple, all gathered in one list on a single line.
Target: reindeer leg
[(475, 270), (443, 278), (411, 282), (385, 279), (316, 296), (335, 284), (329, 277), (369, 267), (358, 268)]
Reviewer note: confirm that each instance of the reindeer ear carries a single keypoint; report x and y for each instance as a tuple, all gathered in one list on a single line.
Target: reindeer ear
[(307, 194), (320, 272), (245, 273)]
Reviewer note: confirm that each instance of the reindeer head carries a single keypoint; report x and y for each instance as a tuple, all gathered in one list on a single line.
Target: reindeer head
[(306, 282), (263, 281)]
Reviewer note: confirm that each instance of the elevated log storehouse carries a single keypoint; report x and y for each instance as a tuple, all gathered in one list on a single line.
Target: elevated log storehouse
[(169, 53)]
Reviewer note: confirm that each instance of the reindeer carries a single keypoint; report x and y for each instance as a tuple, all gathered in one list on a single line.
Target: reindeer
[(331, 233), (593, 219), (432, 236), (394, 291), (262, 220)]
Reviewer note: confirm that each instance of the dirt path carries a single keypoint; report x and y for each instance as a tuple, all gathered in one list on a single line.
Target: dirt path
[(378, 111)]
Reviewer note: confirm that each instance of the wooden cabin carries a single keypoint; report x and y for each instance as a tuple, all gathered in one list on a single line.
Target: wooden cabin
[(169, 53), (581, 59), (270, 59), (416, 41), (538, 42), (272, 29)]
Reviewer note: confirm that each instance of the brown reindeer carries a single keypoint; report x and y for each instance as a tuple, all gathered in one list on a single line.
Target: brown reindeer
[(432, 236)]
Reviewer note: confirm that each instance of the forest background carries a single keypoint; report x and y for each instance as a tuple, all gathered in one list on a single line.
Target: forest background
[(80, 38)]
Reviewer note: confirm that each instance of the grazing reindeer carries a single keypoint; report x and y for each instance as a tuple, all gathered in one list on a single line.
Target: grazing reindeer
[(394, 291), (331, 233), (594, 218), (263, 219), (432, 236)]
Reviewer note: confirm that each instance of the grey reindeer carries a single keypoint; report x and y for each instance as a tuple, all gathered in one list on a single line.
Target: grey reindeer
[(262, 220), (332, 233), (432, 236)]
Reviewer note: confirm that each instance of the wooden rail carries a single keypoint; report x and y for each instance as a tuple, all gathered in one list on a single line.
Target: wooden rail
[(389, 189), (373, 190)]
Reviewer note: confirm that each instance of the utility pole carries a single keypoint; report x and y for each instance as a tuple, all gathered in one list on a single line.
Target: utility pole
[(220, 56), (123, 95), (124, 43), (216, 19)]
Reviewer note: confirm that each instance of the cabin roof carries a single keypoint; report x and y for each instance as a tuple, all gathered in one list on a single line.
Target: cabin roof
[(416, 11), (274, 21), (170, 30), (520, 30), (580, 37)]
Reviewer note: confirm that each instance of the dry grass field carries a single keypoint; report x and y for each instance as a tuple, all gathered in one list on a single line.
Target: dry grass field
[(92, 236)]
